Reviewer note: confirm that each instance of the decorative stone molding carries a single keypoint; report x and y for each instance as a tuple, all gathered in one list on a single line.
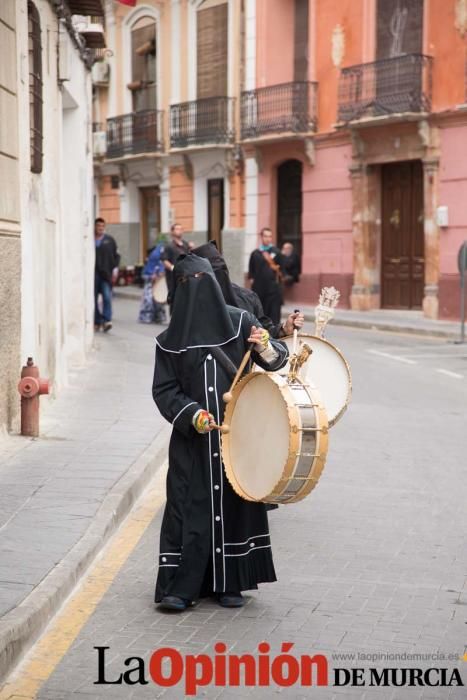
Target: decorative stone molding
[(309, 147), (461, 17), (337, 45)]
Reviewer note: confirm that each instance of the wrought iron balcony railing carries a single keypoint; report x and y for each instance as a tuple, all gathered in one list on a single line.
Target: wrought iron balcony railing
[(390, 86), (201, 122), (278, 109), (135, 133)]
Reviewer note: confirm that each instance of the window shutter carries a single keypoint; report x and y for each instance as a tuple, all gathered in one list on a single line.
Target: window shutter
[(399, 28), (212, 51)]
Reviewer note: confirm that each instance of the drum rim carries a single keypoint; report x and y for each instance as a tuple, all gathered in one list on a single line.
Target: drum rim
[(293, 446), (338, 416)]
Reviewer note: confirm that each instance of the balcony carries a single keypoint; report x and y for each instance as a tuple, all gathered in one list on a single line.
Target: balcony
[(135, 134), (391, 86), (288, 108), (204, 122)]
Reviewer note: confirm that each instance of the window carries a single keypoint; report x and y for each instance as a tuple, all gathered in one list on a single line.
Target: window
[(35, 87), (143, 65)]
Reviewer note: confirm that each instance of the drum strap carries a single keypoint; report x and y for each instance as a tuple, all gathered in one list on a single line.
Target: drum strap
[(225, 361)]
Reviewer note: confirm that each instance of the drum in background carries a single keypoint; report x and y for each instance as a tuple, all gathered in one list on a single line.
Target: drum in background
[(328, 370), (160, 290), (277, 440)]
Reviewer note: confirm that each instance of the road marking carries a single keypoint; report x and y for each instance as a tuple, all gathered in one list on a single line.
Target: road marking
[(448, 373), (41, 661), (438, 355), (398, 358)]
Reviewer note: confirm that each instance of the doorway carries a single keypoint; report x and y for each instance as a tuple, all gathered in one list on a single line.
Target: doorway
[(216, 210), (403, 249), (289, 204), (150, 219)]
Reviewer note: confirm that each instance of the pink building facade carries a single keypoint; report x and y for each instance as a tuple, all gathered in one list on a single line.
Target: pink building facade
[(360, 152)]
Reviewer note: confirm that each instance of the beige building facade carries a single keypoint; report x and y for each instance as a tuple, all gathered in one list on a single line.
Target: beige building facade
[(46, 208), (10, 229)]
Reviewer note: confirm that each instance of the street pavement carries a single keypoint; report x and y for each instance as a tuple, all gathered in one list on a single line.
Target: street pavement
[(374, 561), (52, 489)]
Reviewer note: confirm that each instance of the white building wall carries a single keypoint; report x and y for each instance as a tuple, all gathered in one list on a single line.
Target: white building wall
[(56, 207)]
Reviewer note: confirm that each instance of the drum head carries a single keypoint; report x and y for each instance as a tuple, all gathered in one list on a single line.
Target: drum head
[(159, 290), (327, 369), (257, 444)]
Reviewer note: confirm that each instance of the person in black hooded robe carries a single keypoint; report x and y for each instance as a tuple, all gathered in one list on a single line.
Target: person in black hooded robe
[(244, 298), (212, 541)]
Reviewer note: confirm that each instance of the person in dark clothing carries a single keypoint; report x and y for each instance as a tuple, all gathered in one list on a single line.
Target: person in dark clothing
[(243, 298), (105, 274), (291, 265), (212, 542), (265, 272), (170, 255)]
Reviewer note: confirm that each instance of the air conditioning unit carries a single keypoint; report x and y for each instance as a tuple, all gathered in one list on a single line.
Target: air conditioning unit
[(99, 145), (101, 73), (91, 31)]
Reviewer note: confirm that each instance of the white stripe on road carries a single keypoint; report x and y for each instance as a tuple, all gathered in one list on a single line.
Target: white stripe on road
[(438, 355), (448, 373), (398, 358)]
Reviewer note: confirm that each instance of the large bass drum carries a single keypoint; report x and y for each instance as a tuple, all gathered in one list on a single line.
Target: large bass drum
[(277, 442), (328, 370)]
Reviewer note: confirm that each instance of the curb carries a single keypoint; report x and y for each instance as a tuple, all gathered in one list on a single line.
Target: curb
[(388, 326), (370, 325), (22, 626), (127, 295)]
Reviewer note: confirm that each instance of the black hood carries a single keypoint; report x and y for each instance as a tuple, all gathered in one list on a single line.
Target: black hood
[(211, 253), (200, 317)]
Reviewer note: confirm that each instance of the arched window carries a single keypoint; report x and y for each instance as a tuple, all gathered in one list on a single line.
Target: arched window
[(35, 87), (143, 64)]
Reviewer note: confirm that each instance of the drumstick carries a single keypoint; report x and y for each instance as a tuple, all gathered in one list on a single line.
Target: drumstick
[(228, 394), (295, 335)]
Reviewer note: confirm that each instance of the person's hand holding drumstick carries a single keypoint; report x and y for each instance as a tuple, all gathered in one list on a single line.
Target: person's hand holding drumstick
[(203, 421)]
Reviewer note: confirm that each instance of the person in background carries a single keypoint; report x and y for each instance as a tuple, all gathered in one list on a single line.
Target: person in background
[(291, 265), (105, 274), (172, 252), (243, 298), (265, 272), (150, 310)]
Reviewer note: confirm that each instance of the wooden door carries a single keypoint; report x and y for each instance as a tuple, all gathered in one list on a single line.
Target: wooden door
[(216, 210), (150, 219), (289, 204), (402, 259)]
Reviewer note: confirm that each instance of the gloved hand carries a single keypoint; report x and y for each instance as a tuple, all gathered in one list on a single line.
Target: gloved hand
[(203, 422)]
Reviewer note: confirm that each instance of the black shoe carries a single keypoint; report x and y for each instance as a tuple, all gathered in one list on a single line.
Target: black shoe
[(107, 326), (173, 602), (231, 600)]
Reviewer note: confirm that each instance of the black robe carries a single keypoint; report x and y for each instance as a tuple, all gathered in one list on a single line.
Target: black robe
[(266, 283), (211, 539)]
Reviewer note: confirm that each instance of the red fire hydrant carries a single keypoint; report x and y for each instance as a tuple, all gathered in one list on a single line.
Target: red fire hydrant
[(31, 386)]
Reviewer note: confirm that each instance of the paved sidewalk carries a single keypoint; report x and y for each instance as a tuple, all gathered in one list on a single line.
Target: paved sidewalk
[(62, 495), (378, 319)]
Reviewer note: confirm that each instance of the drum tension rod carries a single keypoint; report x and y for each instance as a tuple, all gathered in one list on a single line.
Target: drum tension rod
[(309, 430), (299, 478)]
